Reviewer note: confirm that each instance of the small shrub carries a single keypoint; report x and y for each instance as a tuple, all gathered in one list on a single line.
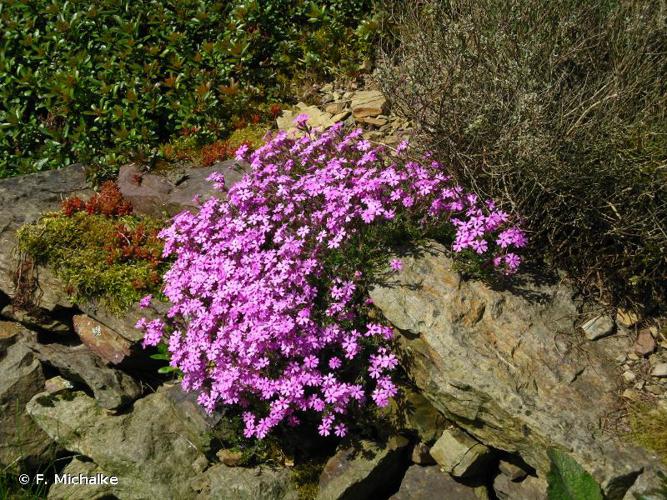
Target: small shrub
[(268, 290), (558, 108), (99, 249), (107, 80)]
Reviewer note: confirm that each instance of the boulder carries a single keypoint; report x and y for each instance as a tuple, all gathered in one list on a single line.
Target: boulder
[(112, 388), (421, 454), (86, 468), (512, 471), (368, 103), (364, 471), (154, 450), (23, 199), (102, 340), (416, 413), (160, 195), (429, 483), (239, 483), (530, 488), (459, 454), (21, 377), (508, 365)]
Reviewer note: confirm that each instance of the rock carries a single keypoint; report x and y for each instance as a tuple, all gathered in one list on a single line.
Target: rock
[(530, 488), (377, 122), (415, 413), (645, 343), (506, 366), (152, 449), (63, 491), (317, 118), (512, 471), (230, 458), (23, 199), (421, 454), (124, 324), (238, 483), (627, 318), (368, 103), (631, 395), (335, 108), (10, 333), (21, 377), (364, 472), (36, 319), (429, 483), (598, 327), (660, 370), (159, 195), (102, 340), (459, 454), (57, 384), (629, 376), (112, 388)]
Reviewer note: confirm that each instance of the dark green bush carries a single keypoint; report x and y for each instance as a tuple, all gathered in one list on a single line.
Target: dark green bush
[(558, 107), (97, 81)]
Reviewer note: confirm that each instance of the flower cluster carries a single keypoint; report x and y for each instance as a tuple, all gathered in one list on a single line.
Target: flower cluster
[(257, 319)]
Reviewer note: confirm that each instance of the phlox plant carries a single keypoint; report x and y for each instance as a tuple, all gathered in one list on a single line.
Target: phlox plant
[(268, 287)]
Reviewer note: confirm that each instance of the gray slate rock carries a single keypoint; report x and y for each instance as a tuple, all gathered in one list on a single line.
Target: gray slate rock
[(21, 377), (112, 388), (598, 327), (155, 450), (159, 195), (430, 483), (361, 473), (238, 483), (509, 368), (62, 491), (459, 454), (530, 488), (23, 199)]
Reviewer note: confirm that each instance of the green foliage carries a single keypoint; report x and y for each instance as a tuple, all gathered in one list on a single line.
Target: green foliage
[(101, 81), (86, 253), (568, 480), (556, 107)]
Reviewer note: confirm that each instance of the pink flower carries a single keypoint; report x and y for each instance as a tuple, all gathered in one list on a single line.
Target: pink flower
[(396, 264), (145, 302), (301, 120)]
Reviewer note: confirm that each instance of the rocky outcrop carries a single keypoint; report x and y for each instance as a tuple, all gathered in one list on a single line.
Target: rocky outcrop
[(235, 483), (112, 388), (363, 472), (21, 377), (459, 454), (428, 483), (23, 200), (155, 450), (167, 194), (510, 367)]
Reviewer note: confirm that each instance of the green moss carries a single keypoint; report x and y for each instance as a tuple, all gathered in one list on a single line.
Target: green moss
[(252, 135), (306, 479), (86, 252), (649, 428)]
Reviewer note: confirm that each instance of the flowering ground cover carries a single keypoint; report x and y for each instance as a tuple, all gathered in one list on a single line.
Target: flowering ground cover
[(269, 311)]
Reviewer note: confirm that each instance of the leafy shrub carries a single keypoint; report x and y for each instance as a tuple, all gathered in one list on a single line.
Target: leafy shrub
[(568, 480), (99, 249), (269, 288), (558, 107), (98, 81)]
